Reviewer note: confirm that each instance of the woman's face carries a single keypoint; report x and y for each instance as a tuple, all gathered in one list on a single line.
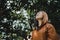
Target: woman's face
[(39, 18)]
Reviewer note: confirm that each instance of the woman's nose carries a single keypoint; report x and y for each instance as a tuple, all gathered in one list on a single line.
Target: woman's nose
[(37, 17)]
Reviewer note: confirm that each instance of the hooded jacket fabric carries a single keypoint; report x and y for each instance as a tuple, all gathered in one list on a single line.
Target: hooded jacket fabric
[(46, 31)]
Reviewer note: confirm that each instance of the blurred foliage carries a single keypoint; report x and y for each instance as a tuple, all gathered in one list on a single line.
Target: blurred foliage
[(17, 17)]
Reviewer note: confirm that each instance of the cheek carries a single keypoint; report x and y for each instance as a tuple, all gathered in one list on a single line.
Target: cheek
[(41, 22)]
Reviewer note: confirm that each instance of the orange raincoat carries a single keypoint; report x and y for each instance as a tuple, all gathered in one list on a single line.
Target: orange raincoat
[(46, 32)]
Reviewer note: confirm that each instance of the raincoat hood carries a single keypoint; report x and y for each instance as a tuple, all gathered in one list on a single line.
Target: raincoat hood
[(44, 16)]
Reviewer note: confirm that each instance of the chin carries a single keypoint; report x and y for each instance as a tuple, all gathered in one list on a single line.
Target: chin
[(39, 25)]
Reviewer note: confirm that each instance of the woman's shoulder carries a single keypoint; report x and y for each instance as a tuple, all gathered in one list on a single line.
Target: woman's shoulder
[(49, 25)]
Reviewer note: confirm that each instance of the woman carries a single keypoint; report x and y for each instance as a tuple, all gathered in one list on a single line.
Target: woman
[(44, 30)]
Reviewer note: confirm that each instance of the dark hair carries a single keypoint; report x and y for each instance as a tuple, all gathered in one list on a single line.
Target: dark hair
[(36, 24)]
